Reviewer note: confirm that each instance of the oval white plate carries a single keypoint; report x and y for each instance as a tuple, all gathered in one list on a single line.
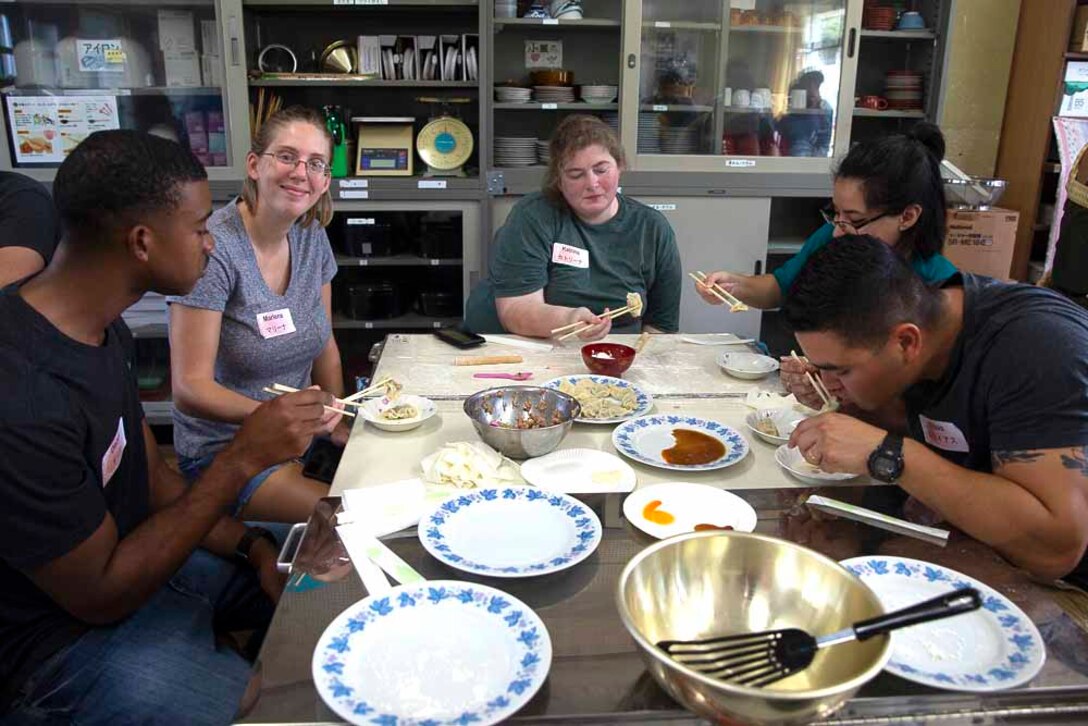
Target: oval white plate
[(583, 471), (747, 366), (784, 419), (511, 532), (643, 439), (991, 649), (432, 652), (792, 461), (370, 412), (691, 504), (644, 401)]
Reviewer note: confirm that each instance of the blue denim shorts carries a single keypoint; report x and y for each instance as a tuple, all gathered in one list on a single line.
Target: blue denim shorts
[(192, 468)]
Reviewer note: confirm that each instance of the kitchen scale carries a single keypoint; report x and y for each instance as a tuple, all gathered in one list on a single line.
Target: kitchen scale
[(384, 145), (446, 142)]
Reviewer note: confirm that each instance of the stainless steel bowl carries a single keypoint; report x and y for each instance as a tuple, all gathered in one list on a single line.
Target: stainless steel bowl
[(496, 412), (722, 583)]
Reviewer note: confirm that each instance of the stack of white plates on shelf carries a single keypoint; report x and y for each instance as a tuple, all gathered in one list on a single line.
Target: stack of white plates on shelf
[(680, 139), (553, 94), (515, 150), (512, 94), (649, 133), (598, 94), (543, 152)]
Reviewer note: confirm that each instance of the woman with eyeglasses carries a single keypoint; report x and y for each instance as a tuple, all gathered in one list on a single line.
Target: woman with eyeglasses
[(261, 314), (889, 188)]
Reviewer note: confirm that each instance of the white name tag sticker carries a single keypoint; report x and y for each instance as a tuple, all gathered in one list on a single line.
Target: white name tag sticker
[(111, 460), (275, 323), (943, 435), (566, 255)]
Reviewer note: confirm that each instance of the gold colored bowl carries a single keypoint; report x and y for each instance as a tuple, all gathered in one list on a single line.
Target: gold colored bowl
[(339, 57), (705, 584)]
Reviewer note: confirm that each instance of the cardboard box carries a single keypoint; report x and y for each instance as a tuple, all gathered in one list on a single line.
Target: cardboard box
[(1078, 39), (982, 241), (1075, 90)]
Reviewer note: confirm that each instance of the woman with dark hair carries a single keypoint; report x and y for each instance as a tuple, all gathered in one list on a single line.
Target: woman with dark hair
[(888, 188), (572, 251)]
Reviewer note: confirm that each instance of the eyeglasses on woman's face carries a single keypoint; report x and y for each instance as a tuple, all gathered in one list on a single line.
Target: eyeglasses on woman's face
[(850, 226), (315, 166)]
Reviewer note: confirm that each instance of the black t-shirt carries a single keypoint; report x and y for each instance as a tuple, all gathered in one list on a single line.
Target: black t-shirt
[(1017, 379), (27, 216), (65, 408)]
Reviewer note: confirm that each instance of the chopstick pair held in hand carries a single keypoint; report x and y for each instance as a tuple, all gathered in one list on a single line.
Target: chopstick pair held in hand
[(817, 383), (734, 303), (279, 389), (633, 307)]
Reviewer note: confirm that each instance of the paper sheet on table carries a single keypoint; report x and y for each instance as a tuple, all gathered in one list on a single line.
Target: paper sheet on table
[(519, 342), (386, 508), (770, 399)]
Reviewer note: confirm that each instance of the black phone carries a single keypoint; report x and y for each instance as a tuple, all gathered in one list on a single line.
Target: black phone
[(459, 338)]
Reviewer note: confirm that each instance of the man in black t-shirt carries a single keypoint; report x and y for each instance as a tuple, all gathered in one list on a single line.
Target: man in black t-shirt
[(28, 227), (107, 604), (993, 381)]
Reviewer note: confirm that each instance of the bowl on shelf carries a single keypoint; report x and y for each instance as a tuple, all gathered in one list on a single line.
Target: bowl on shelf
[(608, 359), (496, 414), (552, 77), (978, 192)]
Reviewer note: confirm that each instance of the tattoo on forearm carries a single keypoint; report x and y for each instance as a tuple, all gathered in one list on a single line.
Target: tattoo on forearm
[(1001, 458), (1078, 460)]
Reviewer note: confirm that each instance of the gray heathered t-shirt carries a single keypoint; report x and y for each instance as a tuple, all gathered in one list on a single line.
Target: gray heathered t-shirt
[(249, 359)]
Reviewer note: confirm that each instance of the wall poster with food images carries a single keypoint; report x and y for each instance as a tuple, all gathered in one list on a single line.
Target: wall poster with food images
[(45, 129)]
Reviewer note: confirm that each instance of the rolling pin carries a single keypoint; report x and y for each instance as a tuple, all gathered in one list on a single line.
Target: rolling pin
[(485, 360)]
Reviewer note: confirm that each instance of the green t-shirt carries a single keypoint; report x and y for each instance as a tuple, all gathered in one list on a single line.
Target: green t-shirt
[(933, 269), (583, 265)]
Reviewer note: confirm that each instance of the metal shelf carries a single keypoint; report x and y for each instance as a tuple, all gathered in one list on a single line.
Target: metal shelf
[(576, 106), (326, 4), (900, 34), (675, 108), (775, 29), (397, 261), (873, 113), (350, 81), (409, 321), (563, 22), (440, 186), (681, 25), (142, 91)]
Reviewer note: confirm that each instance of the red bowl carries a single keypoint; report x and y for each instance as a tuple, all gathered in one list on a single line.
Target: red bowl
[(622, 356)]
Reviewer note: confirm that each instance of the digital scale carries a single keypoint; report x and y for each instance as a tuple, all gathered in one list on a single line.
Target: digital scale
[(385, 145), (446, 142)]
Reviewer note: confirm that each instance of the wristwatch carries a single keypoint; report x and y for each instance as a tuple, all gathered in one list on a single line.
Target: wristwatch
[(886, 461), (252, 534)]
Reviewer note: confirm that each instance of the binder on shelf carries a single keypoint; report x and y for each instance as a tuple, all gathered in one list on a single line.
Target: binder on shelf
[(450, 57), (405, 55), (470, 56), (427, 58), (369, 52), (389, 66)]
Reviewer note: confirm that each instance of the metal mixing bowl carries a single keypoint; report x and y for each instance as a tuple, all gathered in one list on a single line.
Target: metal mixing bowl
[(722, 583), (496, 411)]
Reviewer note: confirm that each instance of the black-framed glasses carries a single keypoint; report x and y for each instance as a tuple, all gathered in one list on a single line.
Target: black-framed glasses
[(830, 215), (317, 167)]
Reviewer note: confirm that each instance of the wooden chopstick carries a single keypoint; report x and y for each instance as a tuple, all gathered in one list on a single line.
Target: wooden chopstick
[(281, 390), (611, 315), (734, 303), (816, 383), (369, 389)]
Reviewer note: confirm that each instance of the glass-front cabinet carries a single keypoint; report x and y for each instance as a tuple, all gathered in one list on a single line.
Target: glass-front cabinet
[(71, 68), (736, 84)]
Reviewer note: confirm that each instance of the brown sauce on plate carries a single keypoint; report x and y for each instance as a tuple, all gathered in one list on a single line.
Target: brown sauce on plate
[(706, 527), (693, 447)]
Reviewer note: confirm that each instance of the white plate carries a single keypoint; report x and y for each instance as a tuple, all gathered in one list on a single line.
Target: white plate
[(644, 438), (691, 504), (784, 419), (432, 652), (370, 412), (990, 649), (581, 471), (644, 402), (748, 366), (792, 461), (511, 532)]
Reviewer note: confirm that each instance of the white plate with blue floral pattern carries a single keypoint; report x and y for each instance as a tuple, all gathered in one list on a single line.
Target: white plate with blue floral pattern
[(644, 402), (643, 439), (992, 649), (513, 531), (432, 652)]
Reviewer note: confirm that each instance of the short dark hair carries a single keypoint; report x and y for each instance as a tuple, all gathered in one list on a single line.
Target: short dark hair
[(858, 288), (113, 178), (898, 170)]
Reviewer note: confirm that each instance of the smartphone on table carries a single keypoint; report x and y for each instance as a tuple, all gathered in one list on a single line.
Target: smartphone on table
[(459, 338)]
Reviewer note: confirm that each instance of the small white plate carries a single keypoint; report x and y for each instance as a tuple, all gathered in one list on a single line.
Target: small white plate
[(432, 652), (784, 419), (579, 471), (991, 649), (514, 531), (747, 366), (791, 460), (371, 412), (690, 504)]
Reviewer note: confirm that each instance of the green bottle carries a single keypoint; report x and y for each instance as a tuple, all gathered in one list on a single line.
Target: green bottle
[(334, 122)]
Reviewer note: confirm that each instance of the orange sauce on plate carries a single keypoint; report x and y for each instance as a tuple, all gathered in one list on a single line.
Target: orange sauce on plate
[(655, 515), (693, 447)]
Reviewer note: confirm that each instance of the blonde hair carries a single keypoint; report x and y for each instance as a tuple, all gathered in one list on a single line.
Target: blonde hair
[(577, 132), (322, 209)]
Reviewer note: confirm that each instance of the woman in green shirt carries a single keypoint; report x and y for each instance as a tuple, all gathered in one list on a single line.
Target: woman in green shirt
[(576, 249)]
